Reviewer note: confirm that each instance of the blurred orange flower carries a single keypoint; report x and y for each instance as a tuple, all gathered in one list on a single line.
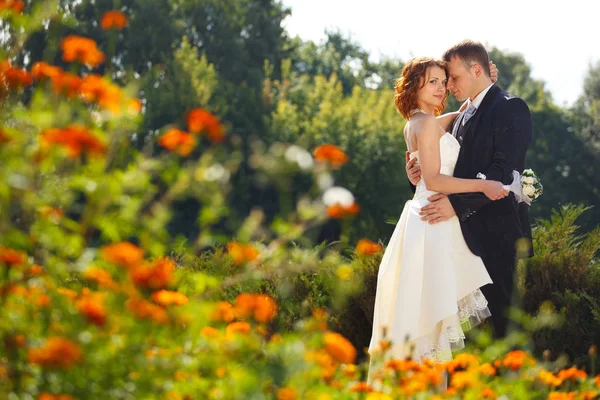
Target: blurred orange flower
[(199, 120), (113, 20), (156, 275), (48, 396), (339, 348), (361, 387), (515, 359), (35, 270), (571, 373), (145, 310), (237, 327), (339, 211), (265, 308), (57, 352), (242, 253), (167, 297), (561, 396), (84, 50), (209, 331), (368, 247), (50, 212), (463, 379), (329, 153), (223, 312), (14, 78), (287, 393), (178, 141), (4, 138), (245, 304), (42, 70), (75, 139), (15, 5), (102, 277), (124, 254), (67, 84), (71, 294), (487, 369), (91, 305), (11, 257)]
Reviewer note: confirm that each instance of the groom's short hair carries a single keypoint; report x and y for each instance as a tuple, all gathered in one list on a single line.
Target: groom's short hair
[(471, 52)]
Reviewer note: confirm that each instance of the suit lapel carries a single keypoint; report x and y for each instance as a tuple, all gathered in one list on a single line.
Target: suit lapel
[(472, 123)]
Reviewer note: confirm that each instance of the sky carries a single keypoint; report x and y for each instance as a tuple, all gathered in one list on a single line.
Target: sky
[(559, 39)]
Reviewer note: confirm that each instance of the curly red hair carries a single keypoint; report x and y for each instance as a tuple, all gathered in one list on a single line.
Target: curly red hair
[(413, 77)]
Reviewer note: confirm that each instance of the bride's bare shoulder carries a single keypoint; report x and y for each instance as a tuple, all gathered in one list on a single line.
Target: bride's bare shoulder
[(422, 124)]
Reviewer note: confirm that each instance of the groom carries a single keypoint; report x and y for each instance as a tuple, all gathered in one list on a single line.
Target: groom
[(494, 132)]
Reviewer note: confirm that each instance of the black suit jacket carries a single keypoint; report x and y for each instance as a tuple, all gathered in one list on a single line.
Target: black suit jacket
[(495, 141)]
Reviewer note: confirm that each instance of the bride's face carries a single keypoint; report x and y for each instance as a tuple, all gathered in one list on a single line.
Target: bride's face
[(433, 92)]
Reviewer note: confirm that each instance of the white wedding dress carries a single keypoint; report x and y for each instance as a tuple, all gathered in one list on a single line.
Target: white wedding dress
[(428, 281)]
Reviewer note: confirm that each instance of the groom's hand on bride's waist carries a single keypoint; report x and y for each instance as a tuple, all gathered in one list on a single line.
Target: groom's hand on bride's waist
[(439, 210), (413, 170)]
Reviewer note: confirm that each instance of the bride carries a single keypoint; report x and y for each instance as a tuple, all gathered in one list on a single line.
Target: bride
[(428, 281)]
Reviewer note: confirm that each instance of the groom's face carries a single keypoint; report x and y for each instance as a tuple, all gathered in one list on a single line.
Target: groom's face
[(461, 80)]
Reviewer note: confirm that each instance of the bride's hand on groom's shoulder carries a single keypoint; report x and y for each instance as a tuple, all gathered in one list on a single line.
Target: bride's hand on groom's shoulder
[(493, 72)]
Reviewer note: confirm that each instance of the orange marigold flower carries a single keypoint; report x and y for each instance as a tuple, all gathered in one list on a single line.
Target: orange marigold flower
[(42, 70), (16, 6), (488, 393), (329, 153), (597, 380), (209, 331), (84, 50), (549, 378), (67, 84), (178, 141), (265, 308), (15, 78), (245, 304), (462, 380), (75, 139), (156, 275), (339, 211), (238, 327), (113, 20), (588, 395), (571, 373), (199, 120), (242, 253), (48, 396), (124, 253), (15, 341), (403, 365), (287, 393), (71, 294), (145, 310), (57, 352), (51, 212), (368, 247), (487, 369), (515, 359), (91, 305), (42, 300), (361, 387), (4, 138), (463, 360), (100, 276), (223, 312), (11, 257), (167, 297), (339, 348), (561, 396)]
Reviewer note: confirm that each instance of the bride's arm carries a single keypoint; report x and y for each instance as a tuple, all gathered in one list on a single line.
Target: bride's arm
[(428, 140)]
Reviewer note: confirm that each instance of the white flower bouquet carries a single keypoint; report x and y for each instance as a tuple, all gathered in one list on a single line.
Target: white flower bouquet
[(527, 187)]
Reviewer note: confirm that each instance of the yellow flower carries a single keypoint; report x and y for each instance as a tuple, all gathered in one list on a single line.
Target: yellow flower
[(344, 272)]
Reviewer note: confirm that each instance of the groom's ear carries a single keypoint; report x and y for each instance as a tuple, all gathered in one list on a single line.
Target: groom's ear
[(477, 70)]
